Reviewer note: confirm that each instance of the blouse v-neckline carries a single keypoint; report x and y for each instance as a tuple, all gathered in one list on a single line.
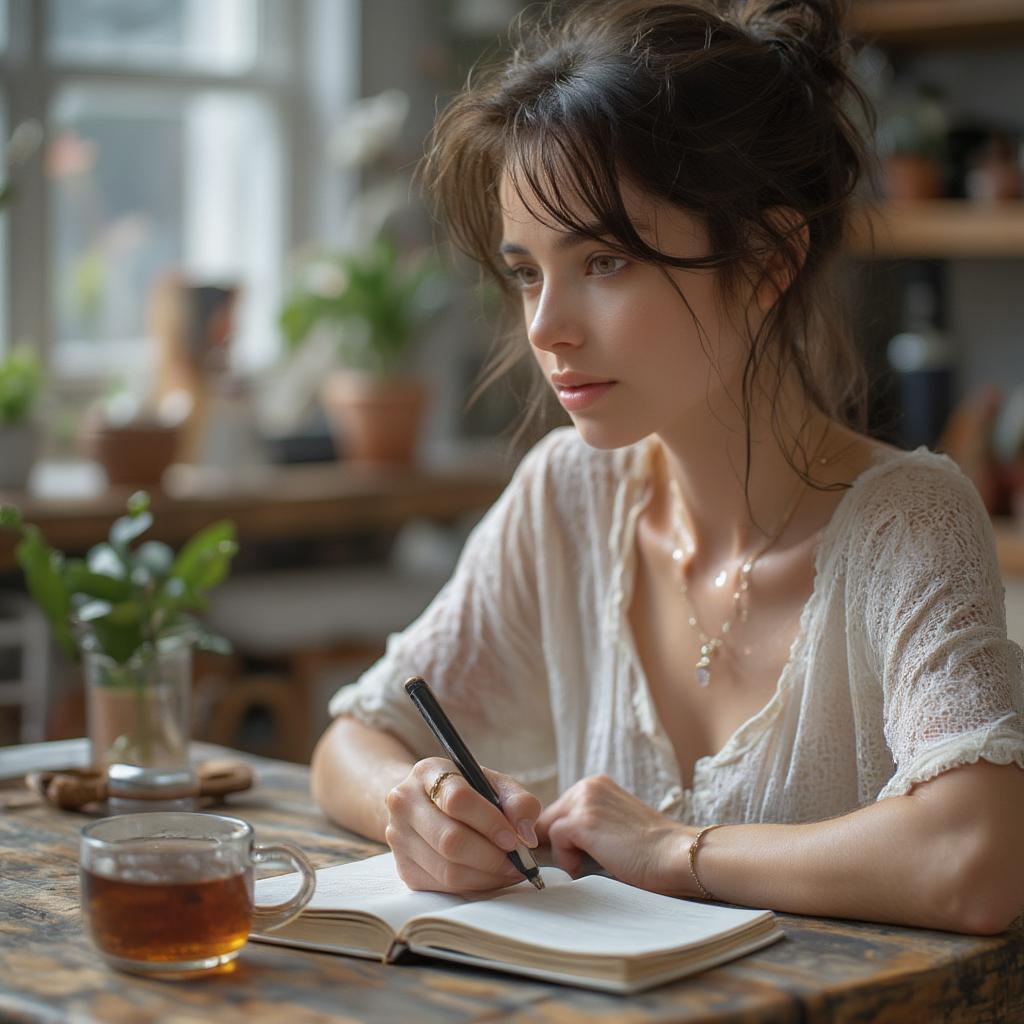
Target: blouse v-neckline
[(638, 483)]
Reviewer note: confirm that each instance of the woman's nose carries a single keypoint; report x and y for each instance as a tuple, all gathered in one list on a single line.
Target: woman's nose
[(554, 322)]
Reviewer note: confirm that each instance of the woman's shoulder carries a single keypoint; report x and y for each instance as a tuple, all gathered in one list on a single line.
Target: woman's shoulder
[(919, 495), (917, 480)]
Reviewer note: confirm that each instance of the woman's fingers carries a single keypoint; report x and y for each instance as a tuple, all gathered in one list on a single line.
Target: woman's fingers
[(447, 832), (566, 854), (447, 836), (521, 808), (505, 827), (421, 866)]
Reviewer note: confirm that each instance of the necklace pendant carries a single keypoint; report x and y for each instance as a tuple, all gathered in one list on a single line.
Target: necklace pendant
[(703, 669)]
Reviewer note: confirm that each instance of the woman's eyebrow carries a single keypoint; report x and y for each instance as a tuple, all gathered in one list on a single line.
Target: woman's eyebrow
[(566, 239)]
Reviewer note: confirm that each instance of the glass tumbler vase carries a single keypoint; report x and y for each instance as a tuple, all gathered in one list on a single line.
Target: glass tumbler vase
[(138, 716)]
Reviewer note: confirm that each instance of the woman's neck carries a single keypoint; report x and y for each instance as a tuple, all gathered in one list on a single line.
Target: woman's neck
[(708, 465)]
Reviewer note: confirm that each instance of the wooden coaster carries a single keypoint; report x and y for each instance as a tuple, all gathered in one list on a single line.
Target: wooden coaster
[(75, 789)]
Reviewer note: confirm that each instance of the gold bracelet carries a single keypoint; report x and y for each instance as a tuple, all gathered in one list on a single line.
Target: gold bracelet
[(692, 858)]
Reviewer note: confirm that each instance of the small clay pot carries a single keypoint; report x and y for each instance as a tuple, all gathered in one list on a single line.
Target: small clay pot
[(135, 454), (907, 177), (375, 420)]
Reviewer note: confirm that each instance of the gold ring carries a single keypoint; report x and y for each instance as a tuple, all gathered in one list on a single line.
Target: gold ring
[(436, 787)]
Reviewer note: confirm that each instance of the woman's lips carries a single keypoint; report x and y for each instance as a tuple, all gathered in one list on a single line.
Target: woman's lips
[(582, 396)]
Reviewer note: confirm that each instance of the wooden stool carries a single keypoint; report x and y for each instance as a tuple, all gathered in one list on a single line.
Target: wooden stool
[(286, 703), (287, 697), (305, 621)]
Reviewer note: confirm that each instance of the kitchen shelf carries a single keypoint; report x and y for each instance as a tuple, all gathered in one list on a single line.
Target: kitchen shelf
[(938, 229), (914, 23)]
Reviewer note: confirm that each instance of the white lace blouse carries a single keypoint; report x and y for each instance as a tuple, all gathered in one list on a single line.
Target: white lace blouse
[(900, 668)]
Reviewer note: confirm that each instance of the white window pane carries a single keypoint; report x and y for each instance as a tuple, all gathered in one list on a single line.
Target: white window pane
[(216, 35), (144, 181)]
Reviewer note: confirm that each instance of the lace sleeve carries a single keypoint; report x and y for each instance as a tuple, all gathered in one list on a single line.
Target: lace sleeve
[(952, 684), (479, 646)]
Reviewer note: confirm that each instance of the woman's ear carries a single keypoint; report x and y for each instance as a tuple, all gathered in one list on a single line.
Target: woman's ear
[(788, 242)]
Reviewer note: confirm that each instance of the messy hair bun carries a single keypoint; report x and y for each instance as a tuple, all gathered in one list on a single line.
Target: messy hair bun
[(806, 33), (731, 111)]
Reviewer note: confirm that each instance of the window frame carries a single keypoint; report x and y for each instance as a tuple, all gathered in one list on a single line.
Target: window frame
[(282, 78)]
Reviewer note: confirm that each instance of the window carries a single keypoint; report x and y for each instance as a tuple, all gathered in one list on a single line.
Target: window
[(166, 137)]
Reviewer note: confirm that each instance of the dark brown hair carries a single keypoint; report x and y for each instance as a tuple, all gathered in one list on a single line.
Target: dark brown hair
[(728, 111)]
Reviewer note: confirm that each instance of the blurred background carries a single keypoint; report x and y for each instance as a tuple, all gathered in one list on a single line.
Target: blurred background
[(218, 284)]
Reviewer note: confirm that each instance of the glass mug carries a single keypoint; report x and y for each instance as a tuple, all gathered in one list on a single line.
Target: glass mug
[(171, 892)]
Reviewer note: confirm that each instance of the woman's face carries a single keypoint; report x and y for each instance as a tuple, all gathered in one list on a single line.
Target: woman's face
[(613, 336)]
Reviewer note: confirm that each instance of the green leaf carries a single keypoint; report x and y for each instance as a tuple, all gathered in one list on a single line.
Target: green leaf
[(117, 641), (141, 577), (44, 575), (79, 579), (127, 528), (154, 556), (103, 560), (125, 613), (10, 516), (92, 610), (21, 378), (206, 558), (138, 503), (175, 597)]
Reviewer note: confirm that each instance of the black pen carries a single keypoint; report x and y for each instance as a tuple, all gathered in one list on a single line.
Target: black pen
[(440, 725)]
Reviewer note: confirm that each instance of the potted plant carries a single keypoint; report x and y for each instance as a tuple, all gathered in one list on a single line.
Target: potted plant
[(912, 143), (357, 308), (134, 441), (127, 611), (21, 378), (370, 305)]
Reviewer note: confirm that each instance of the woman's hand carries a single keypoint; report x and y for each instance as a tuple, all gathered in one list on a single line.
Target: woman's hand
[(639, 846), (459, 842)]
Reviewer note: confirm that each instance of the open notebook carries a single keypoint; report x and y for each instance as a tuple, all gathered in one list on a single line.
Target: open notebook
[(593, 931)]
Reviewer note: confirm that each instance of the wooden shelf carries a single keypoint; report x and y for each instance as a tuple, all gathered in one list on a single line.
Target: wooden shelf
[(912, 23), (938, 229), (267, 503)]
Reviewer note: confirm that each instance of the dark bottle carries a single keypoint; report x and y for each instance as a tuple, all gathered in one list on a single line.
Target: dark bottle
[(924, 362)]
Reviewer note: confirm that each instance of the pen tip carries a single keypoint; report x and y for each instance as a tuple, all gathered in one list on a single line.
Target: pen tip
[(537, 882)]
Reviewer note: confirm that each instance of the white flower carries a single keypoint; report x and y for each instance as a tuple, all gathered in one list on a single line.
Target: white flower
[(325, 279), (369, 128), (24, 141)]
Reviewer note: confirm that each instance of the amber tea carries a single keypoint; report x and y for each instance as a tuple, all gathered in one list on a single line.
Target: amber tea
[(168, 921), (171, 893)]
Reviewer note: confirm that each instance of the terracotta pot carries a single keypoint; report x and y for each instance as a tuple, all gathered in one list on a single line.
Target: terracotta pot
[(906, 177), (18, 446), (374, 419), (135, 454)]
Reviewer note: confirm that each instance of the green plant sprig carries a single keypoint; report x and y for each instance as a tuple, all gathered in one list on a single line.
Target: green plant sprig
[(382, 299), (122, 600), (21, 379)]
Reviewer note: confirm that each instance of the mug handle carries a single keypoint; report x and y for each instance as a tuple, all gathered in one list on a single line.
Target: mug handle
[(275, 915)]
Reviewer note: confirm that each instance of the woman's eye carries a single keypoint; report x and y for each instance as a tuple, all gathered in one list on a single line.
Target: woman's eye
[(605, 265), (523, 276)]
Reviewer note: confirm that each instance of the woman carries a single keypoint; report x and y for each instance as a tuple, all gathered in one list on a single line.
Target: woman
[(715, 603)]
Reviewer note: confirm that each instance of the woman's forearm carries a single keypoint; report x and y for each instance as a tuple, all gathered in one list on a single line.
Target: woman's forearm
[(944, 856), (353, 769)]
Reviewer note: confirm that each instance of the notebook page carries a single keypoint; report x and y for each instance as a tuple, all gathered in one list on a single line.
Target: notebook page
[(599, 916), (370, 886)]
